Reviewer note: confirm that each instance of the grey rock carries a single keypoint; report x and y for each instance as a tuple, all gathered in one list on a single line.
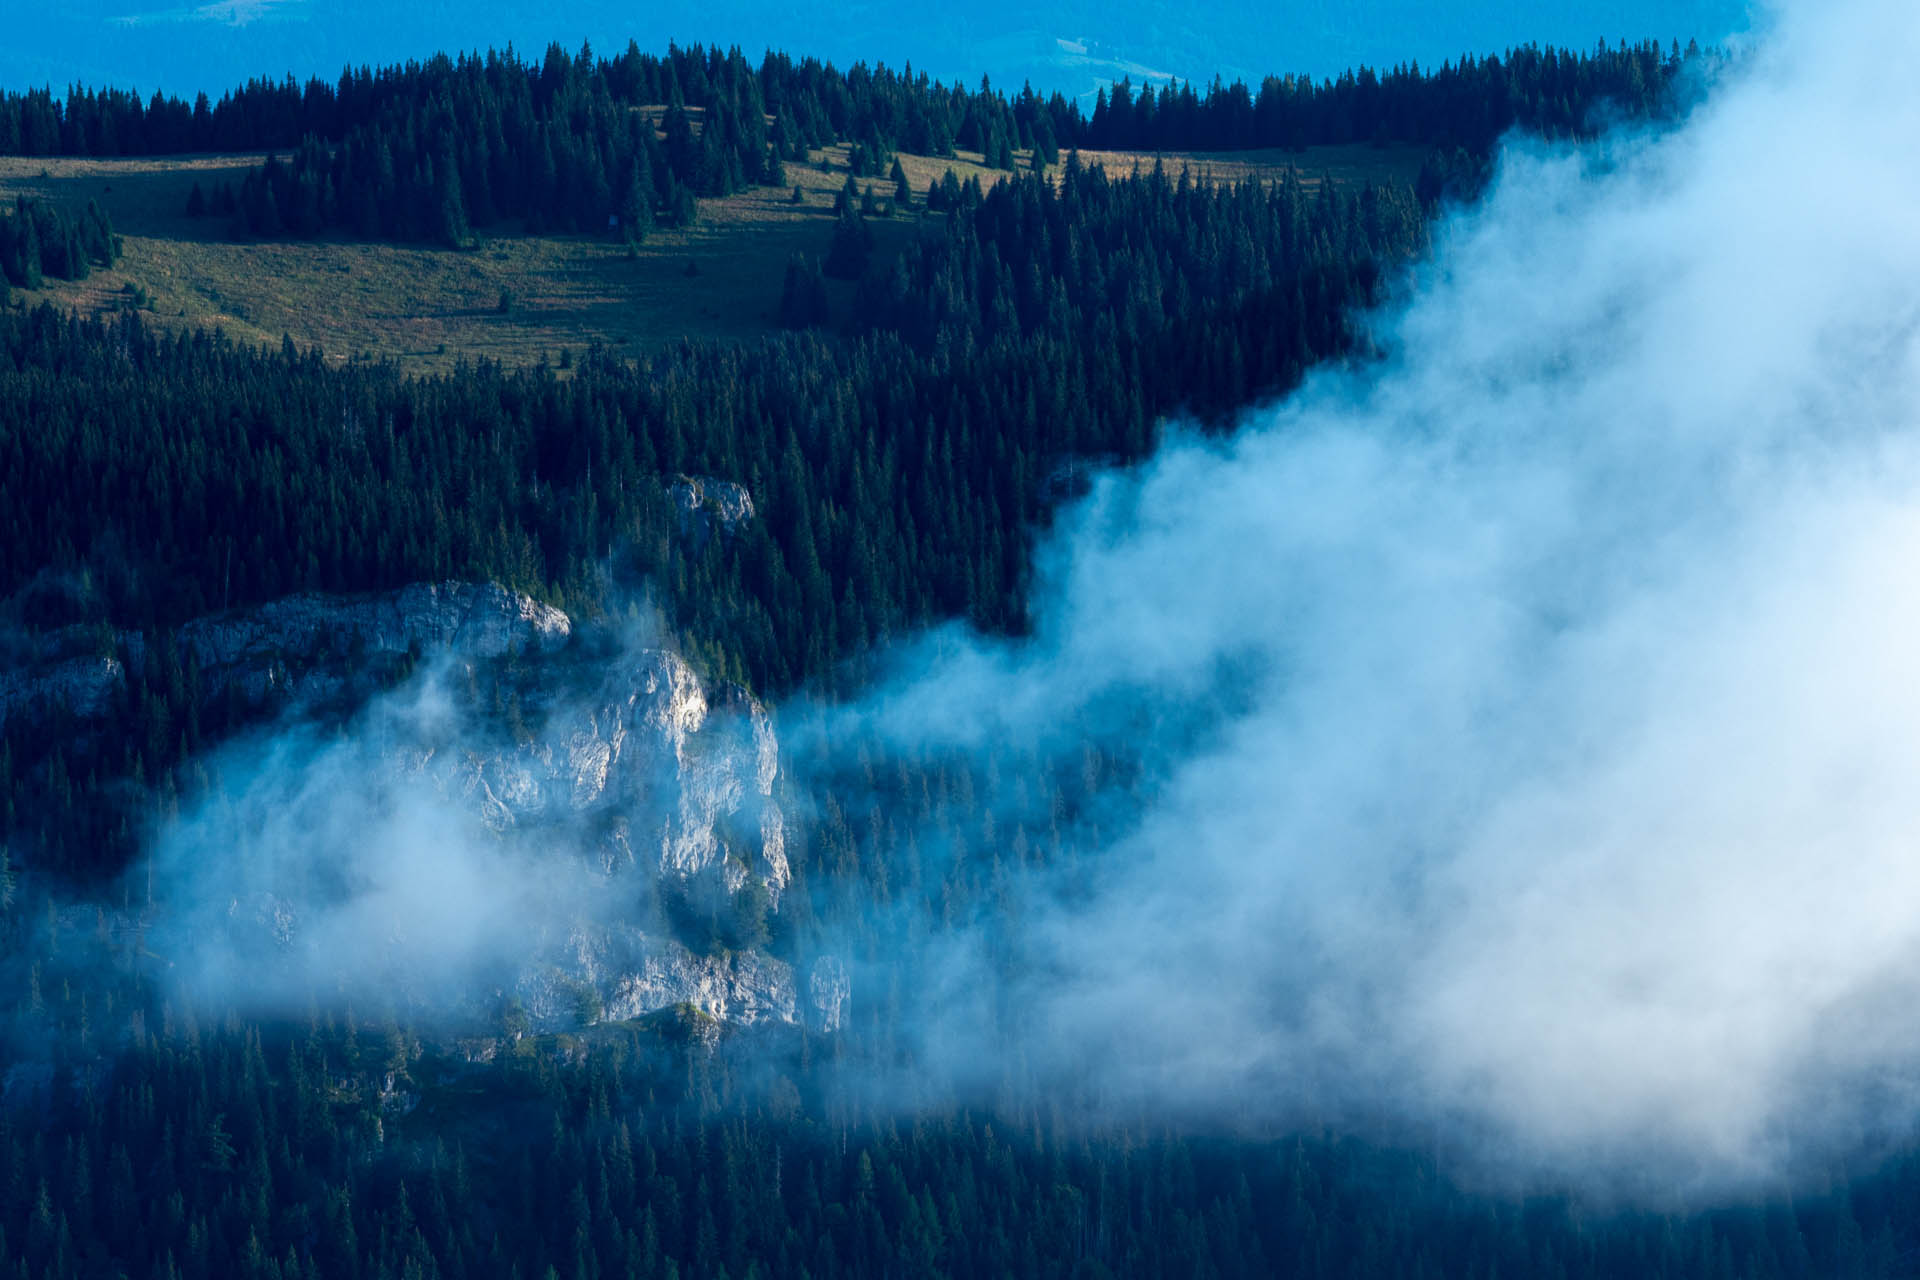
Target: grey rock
[(653, 780), (704, 506), (828, 991), (743, 987), (686, 785)]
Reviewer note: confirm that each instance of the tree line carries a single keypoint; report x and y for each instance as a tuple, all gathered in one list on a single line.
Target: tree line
[(1467, 104), (573, 142)]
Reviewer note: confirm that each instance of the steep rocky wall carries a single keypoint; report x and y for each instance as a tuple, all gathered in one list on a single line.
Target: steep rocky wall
[(630, 768)]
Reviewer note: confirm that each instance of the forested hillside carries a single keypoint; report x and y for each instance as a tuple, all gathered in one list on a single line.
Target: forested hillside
[(901, 457), (436, 151), (900, 470)]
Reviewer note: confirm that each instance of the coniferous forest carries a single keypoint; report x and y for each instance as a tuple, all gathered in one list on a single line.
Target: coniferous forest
[(902, 462), (438, 150)]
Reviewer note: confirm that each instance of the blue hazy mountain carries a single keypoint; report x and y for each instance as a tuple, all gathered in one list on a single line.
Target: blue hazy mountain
[(186, 46)]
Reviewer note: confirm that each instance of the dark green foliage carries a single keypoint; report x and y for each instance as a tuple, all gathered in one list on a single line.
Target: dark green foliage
[(682, 209), (1452, 177), (636, 206), (39, 240), (423, 151), (450, 217), (433, 150), (944, 194), (852, 242), (330, 1149), (867, 158), (803, 296), (1046, 151), (1467, 104)]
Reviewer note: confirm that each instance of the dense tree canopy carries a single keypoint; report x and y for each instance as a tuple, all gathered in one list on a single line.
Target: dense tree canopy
[(435, 150), (901, 461)]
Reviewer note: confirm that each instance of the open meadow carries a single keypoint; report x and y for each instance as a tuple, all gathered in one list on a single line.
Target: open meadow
[(427, 307)]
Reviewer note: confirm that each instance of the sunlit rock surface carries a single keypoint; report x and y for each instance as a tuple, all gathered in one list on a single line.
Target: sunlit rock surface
[(617, 761), (704, 506)]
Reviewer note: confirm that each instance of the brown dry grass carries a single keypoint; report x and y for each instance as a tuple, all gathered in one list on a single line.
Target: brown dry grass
[(1346, 166), (428, 307)]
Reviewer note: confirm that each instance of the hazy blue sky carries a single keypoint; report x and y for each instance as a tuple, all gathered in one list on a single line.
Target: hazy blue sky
[(186, 45)]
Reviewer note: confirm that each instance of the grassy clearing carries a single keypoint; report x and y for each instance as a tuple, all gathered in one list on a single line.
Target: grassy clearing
[(1345, 166), (427, 308)]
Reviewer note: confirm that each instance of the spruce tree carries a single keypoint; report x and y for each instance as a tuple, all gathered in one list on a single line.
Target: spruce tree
[(636, 208), (803, 295), (450, 209), (685, 208), (29, 250), (852, 243)]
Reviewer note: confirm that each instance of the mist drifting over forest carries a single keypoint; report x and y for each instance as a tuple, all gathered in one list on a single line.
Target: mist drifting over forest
[(1529, 712), (1533, 711)]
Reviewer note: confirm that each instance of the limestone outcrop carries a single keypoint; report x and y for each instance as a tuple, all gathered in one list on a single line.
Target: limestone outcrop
[(704, 506), (650, 792)]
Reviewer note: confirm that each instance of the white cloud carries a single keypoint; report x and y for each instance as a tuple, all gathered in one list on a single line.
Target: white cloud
[(1573, 801)]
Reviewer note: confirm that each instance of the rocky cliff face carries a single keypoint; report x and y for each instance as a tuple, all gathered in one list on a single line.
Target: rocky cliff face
[(668, 790), (622, 766), (744, 988), (677, 783), (705, 506)]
